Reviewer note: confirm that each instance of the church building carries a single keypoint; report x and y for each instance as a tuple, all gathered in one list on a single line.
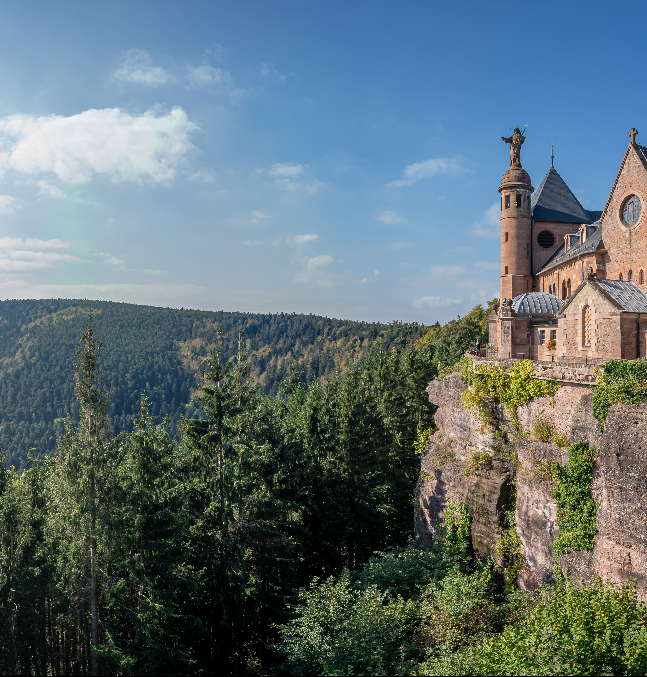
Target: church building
[(572, 280)]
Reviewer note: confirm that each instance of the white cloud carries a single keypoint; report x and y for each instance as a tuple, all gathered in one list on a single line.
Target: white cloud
[(7, 204), (292, 177), (427, 169), (321, 260), (208, 76), (301, 239), (286, 170), (391, 218), (46, 189), (313, 272), (397, 245), (17, 254), (110, 141), (110, 259), (486, 265), (375, 278), (490, 223), (260, 215), (268, 72), (137, 68), (202, 176), (251, 243), (435, 302)]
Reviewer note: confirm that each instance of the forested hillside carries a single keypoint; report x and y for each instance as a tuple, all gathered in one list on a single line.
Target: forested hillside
[(138, 553), (157, 351)]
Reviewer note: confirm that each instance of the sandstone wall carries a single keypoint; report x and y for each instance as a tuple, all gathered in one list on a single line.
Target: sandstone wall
[(619, 481)]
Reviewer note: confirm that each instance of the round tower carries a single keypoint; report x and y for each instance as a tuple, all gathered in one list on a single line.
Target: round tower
[(516, 237)]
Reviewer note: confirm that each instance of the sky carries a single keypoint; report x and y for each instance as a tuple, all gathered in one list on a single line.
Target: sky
[(335, 158)]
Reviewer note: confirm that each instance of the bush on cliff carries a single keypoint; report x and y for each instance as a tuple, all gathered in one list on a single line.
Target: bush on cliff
[(624, 381), (596, 630)]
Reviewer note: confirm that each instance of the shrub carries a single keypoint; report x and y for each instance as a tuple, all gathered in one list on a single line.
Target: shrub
[(560, 440), (480, 462), (624, 381), (490, 385), (596, 630), (576, 509), (542, 431)]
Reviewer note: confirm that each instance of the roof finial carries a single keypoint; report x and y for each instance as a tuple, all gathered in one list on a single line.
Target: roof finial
[(632, 134), (552, 157)]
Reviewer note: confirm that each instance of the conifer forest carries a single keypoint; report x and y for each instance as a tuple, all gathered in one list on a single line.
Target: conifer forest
[(266, 528)]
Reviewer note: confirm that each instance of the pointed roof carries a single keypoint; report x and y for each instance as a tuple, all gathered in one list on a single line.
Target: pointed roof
[(592, 243), (641, 154), (554, 201), (626, 297)]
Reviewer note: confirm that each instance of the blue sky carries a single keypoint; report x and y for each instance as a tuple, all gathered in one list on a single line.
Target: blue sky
[(338, 158)]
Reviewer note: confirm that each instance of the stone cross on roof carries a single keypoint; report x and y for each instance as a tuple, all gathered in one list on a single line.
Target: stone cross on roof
[(632, 134)]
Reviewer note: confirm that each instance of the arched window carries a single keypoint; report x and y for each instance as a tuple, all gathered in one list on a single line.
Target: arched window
[(621, 278), (568, 286), (642, 277), (630, 277), (563, 291), (586, 326)]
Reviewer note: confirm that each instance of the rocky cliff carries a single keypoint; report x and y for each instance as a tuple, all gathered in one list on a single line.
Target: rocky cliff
[(480, 464)]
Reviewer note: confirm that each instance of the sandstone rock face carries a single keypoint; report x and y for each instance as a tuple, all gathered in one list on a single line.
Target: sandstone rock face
[(449, 473)]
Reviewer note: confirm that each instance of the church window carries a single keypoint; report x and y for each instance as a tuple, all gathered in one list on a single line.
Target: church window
[(546, 239), (568, 287), (506, 237), (563, 291), (642, 277), (507, 201), (586, 326), (518, 201), (631, 210), (621, 278), (630, 277)]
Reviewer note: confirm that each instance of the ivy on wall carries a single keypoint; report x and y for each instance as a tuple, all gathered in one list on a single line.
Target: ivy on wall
[(489, 385), (576, 509), (624, 381)]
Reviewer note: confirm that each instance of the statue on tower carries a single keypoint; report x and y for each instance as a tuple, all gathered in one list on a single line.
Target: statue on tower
[(515, 141)]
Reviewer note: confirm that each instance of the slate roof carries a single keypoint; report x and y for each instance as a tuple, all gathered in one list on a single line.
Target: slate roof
[(592, 242), (537, 302), (554, 201), (642, 150), (628, 294)]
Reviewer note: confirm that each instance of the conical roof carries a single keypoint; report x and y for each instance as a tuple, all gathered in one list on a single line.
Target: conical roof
[(554, 201)]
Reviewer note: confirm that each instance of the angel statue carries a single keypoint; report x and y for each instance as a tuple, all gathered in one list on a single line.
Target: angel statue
[(515, 142)]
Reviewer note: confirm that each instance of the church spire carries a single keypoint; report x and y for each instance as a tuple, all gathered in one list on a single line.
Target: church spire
[(552, 157)]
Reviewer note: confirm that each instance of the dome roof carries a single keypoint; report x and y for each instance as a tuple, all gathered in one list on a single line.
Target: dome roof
[(537, 302), (516, 176)]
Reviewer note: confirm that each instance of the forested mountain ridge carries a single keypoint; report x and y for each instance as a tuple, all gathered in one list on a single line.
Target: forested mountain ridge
[(157, 351)]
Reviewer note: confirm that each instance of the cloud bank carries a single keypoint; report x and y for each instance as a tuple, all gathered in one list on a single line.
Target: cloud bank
[(108, 141)]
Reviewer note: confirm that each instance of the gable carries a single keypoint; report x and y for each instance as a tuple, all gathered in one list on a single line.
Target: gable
[(630, 179), (589, 294)]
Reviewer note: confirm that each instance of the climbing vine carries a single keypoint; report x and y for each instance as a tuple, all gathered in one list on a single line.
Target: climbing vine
[(624, 381), (576, 509), (488, 385), (508, 546)]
